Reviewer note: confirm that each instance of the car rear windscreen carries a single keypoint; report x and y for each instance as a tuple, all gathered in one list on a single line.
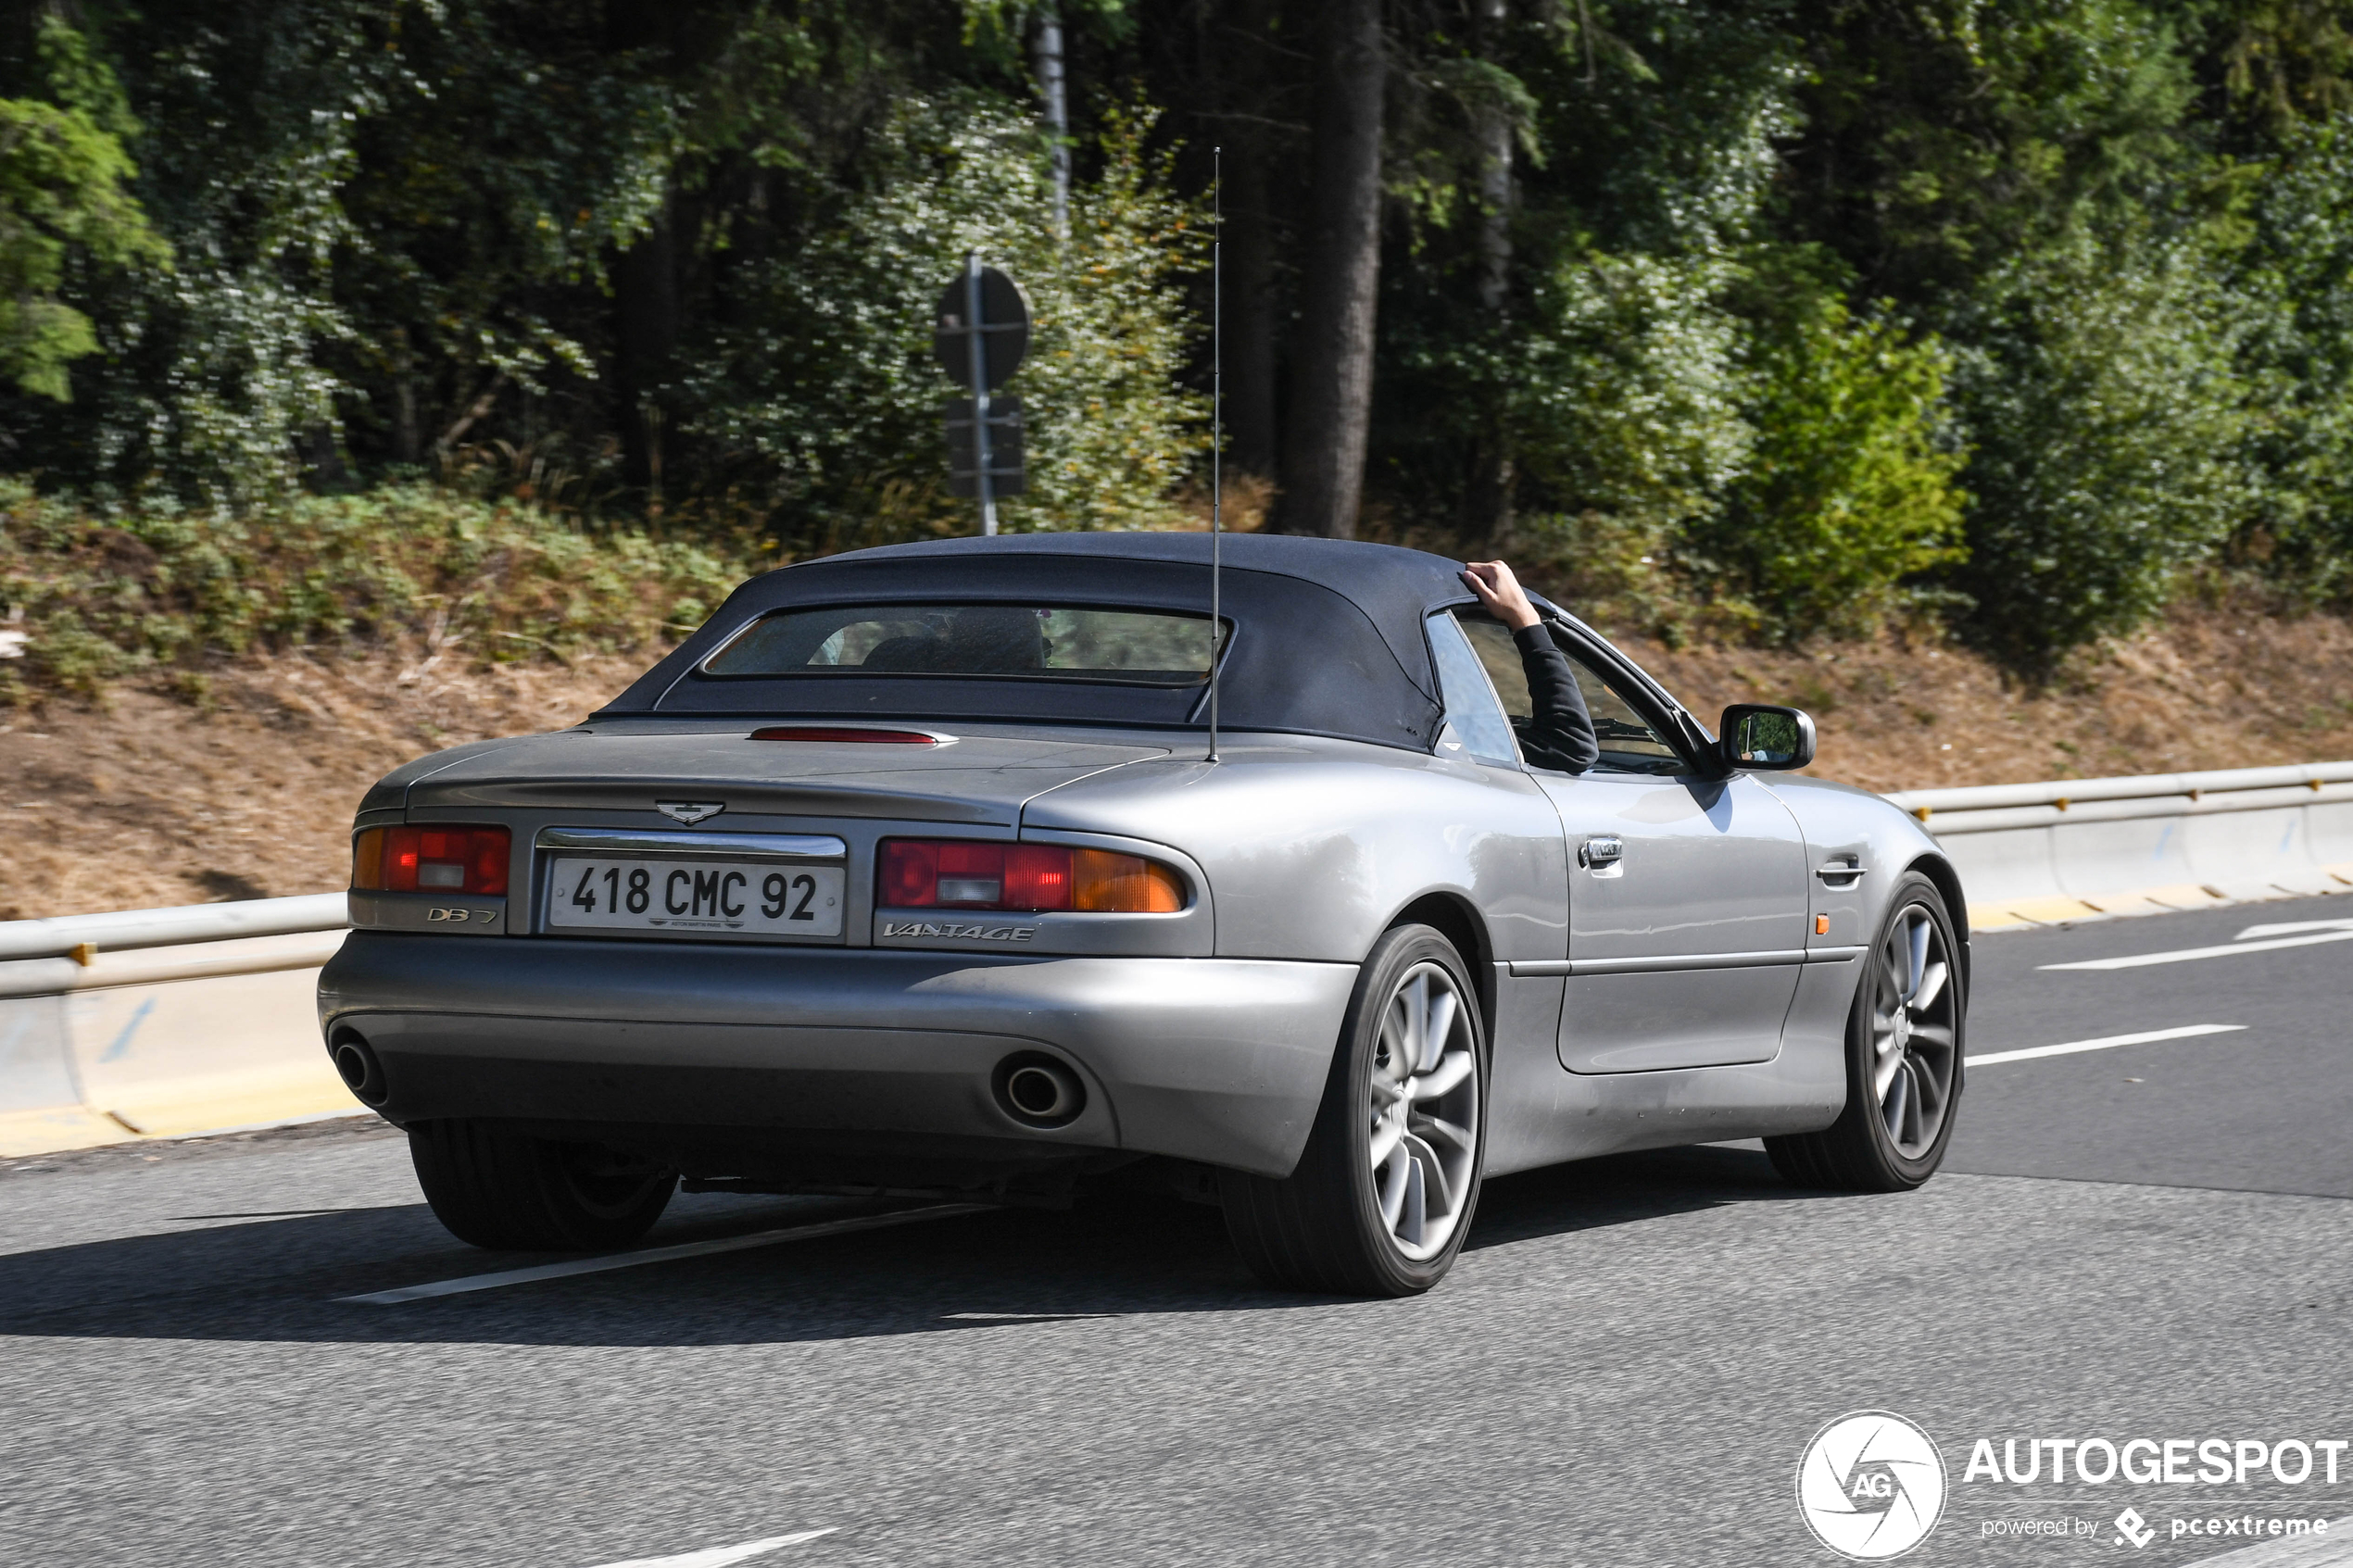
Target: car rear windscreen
[(1037, 642)]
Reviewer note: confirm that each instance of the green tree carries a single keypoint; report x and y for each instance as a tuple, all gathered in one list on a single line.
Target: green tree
[(2293, 290), (836, 396), (1848, 497), (2108, 418), (63, 173)]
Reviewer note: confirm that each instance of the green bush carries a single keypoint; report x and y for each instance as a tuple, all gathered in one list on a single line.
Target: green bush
[(2296, 284), (2107, 420), (62, 173), (1848, 496), (102, 598)]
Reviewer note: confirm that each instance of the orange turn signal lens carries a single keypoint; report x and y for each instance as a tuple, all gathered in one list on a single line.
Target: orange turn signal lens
[(431, 860), (918, 873), (1102, 880)]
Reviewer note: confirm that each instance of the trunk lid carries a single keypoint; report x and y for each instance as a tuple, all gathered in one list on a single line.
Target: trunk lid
[(626, 766)]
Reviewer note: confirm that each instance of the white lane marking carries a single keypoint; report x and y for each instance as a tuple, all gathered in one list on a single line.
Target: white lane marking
[(2182, 955), (2289, 928), (719, 1556), (2105, 1042), (572, 1266)]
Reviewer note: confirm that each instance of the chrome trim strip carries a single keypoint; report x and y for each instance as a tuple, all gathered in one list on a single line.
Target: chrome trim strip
[(1525, 967), (1670, 962), (753, 846)]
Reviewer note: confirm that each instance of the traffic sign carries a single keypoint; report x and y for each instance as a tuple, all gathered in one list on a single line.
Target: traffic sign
[(1004, 329), (1005, 476)]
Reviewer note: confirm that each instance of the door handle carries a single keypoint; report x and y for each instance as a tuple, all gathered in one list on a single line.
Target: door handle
[(1850, 869), (1603, 851)]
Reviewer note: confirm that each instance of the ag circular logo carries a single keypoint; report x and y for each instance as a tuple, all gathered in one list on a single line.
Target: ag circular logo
[(1871, 1486)]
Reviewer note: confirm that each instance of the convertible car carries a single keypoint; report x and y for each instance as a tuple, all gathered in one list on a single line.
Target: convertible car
[(921, 870)]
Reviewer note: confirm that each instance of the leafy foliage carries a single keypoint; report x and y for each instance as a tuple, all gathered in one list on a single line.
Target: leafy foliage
[(99, 598), (1792, 317), (837, 394), (63, 170), (1848, 499)]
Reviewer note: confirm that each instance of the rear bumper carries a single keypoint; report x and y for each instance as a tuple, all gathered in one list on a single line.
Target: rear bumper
[(860, 1063)]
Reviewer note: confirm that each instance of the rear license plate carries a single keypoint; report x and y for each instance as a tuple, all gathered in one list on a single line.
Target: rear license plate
[(734, 898)]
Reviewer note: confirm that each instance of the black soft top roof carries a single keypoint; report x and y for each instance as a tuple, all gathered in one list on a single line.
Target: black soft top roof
[(1327, 633)]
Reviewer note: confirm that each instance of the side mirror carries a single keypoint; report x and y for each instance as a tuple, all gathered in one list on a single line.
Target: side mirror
[(1765, 738)]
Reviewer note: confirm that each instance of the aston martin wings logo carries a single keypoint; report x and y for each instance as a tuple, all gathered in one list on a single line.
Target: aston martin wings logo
[(686, 813)]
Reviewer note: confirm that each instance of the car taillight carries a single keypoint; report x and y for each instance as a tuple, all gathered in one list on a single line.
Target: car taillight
[(430, 860), (923, 874)]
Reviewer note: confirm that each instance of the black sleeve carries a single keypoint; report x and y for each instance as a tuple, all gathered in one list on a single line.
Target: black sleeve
[(1560, 733)]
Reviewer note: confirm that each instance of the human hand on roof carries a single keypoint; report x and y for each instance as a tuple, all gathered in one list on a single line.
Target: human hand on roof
[(1500, 592)]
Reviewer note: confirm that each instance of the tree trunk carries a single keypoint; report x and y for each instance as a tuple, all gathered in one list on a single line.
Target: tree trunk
[(1049, 61), (1332, 359), (644, 276), (1489, 500), (645, 301), (1251, 318), (1235, 41)]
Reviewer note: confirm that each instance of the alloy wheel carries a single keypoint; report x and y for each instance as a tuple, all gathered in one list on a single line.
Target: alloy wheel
[(1913, 1056), (1425, 1112)]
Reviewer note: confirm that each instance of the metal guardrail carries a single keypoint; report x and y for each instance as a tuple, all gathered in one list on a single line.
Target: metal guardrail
[(62, 936), (46, 958), (1988, 808), (190, 960), (2077, 848)]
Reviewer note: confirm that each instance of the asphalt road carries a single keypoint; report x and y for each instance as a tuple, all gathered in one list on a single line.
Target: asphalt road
[(2146, 1241)]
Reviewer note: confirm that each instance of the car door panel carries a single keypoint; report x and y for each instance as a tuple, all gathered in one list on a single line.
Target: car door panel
[(1685, 951)]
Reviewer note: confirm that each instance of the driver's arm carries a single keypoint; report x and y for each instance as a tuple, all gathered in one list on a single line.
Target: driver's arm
[(1559, 733)]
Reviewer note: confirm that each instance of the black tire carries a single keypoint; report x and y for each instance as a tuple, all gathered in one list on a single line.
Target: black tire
[(1859, 1152), (1323, 1228), (509, 1193)]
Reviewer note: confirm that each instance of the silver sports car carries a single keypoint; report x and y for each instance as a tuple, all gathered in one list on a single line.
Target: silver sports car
[(921, 870)]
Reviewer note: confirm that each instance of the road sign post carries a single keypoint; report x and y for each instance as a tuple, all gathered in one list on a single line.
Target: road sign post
[(982, 333), (977, 358)]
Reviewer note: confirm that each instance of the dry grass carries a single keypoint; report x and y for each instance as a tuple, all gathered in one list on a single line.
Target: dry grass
[(151, 801), (154, 802), (2210, 688)]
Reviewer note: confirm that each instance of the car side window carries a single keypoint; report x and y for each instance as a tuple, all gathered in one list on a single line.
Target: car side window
[(1500, 656), (1630, 743), (1472, 711)]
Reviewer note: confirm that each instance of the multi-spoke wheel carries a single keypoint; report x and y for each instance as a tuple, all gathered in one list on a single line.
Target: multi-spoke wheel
[(1904, 1058), (1915, 1030), (1382, 1197), (1424, 1151)]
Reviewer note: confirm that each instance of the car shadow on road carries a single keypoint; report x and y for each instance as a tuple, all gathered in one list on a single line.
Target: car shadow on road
[(279, 1280)]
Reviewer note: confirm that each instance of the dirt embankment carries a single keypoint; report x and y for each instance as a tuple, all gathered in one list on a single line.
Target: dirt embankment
[(2210, 688), (151, 801)]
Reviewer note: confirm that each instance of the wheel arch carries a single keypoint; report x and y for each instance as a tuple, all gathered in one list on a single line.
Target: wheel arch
[(1454, 917), (1939, 869)]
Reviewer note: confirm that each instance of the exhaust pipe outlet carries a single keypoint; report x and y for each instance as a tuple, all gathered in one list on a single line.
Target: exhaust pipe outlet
[(1039, 1091), (356, 1060)]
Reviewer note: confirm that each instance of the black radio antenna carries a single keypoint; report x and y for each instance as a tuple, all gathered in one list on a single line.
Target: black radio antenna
[(1216, 422)]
